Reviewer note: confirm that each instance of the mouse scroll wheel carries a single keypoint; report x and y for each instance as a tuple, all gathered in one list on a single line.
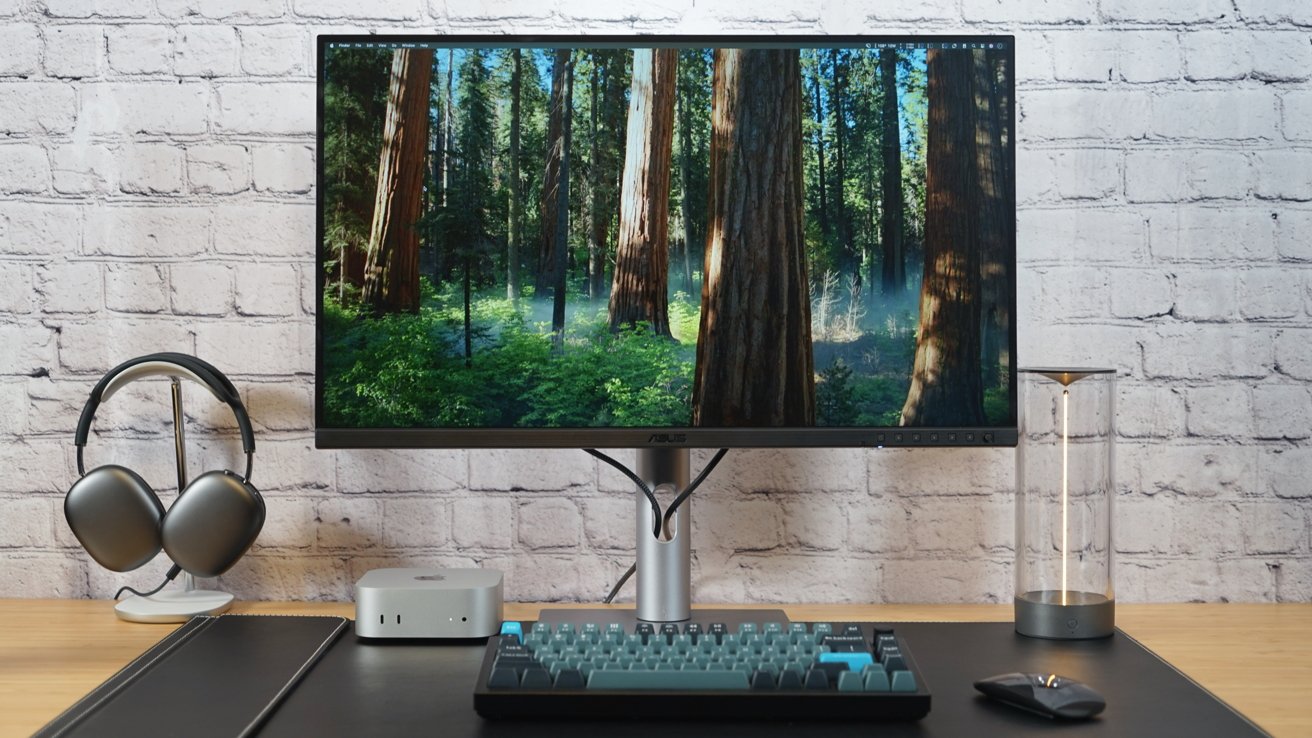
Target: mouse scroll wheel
[(1050, 681)]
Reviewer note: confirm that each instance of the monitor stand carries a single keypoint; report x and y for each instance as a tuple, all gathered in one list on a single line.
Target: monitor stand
[(664, 564)]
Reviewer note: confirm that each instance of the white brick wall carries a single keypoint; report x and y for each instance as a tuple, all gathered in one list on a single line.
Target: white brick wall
[(156, 176)]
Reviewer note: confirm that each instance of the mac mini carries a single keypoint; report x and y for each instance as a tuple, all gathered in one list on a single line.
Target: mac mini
[(428, 603)]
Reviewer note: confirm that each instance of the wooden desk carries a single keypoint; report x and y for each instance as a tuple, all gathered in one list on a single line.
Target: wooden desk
[(1256, 657)]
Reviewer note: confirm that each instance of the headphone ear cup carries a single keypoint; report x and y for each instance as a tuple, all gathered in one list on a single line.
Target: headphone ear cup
[(212, 523), (116, 517)]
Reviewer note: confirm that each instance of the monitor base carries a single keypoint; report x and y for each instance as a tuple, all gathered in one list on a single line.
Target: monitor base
[(629, 617)]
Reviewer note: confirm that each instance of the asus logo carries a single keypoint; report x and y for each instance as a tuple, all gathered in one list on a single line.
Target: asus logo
[(667, 438)]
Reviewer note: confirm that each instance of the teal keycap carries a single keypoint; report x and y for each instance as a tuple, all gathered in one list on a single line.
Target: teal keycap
[(903, 681), (681, 681), (876, 680), (849, 681)]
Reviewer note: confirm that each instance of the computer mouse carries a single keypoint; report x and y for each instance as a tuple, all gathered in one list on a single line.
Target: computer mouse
[(1047, 694)]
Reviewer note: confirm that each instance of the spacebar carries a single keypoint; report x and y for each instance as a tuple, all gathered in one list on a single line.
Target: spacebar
[(683, 680)]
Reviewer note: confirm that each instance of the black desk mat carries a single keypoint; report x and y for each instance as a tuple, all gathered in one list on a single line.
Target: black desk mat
[(395, 689), (213, 677)]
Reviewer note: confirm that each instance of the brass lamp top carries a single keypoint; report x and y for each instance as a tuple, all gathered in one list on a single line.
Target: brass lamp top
[(1066, 376)]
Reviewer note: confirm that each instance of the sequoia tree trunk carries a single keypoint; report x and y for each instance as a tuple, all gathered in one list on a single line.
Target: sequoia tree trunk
[(996, 208), (639, 290), (946, 388), (561, 252), (556, 153), (754, 361), (391, 272), (514, 232), (894, 271)]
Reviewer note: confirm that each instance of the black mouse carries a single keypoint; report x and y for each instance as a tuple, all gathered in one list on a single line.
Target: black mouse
[(1047, 694)]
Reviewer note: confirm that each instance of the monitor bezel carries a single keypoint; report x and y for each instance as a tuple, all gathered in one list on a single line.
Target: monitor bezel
[(646, 437)]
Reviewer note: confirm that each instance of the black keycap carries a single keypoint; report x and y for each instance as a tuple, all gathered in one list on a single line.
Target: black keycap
[(511, 649), (894, 661), (852, 629), (831, 669), (719, 630), (762, 680), (817, 679), (569, 679), (537, 678), (845, 644), (696, 631), (519, 663), (503, 679), (789, 679), (645, 630), (669, 630)]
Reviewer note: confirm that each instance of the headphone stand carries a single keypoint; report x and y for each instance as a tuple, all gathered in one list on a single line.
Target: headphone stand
[(175, 606)]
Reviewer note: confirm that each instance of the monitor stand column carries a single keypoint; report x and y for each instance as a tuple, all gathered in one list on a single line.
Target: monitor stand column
[(664, 563), (664, 570)]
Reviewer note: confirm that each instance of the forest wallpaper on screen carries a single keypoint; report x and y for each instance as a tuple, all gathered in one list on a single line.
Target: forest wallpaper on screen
[(666, 237)]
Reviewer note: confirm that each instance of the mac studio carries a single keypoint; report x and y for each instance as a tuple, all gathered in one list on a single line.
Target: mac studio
[(871, 369)]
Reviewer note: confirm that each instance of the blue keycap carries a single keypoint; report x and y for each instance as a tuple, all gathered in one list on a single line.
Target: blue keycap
[(511, 627), (854, 661)]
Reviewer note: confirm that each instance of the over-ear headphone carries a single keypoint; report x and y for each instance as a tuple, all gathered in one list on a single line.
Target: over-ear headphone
[(119, 519)]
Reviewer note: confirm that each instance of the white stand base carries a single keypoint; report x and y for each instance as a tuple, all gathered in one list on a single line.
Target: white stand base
[(176, 606)]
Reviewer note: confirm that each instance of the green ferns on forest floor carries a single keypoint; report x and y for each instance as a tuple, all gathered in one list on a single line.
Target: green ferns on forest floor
[(409, 370)]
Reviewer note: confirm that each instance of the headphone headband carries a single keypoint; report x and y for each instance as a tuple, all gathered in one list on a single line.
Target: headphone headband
[(196, 368)]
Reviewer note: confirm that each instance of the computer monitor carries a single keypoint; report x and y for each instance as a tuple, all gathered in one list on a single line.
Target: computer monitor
[(665, 242)]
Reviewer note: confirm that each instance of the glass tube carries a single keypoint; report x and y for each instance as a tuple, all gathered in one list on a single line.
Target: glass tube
[(1065, 482)]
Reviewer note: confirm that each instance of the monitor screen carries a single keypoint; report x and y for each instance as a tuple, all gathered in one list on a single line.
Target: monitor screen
[(649, 241)]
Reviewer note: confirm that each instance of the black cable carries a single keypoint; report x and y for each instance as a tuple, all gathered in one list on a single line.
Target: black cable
[(669, 513), (655, 506), (173, 573), (616, 589), (706, 471)]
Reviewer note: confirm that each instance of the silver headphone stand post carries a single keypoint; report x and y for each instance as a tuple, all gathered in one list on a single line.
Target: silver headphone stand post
[(177, 605)]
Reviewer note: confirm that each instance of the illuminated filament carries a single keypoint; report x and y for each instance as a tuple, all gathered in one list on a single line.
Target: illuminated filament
[(1065, 464)]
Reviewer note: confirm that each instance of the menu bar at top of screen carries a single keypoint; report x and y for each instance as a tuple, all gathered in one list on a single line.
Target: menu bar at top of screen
[(642, 43)]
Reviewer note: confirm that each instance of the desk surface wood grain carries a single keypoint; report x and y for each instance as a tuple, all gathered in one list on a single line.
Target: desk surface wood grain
[(1256, 657)]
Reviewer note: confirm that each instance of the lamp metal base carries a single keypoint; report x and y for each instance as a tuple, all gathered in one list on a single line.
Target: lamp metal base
[(1085, 615)]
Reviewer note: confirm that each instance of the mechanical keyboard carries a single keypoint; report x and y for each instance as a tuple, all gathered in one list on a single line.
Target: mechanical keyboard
[(770, 670)]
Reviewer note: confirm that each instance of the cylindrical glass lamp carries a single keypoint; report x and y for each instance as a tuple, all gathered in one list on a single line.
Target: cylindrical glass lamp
[(1065, 471)]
